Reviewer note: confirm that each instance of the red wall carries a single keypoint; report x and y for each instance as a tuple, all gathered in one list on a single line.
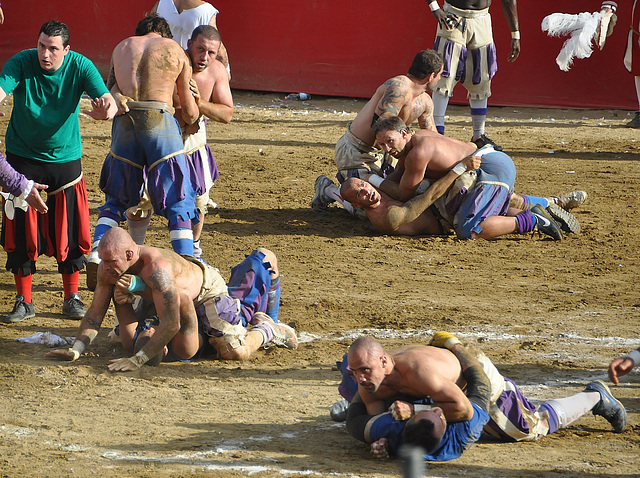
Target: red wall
[(348, 48)]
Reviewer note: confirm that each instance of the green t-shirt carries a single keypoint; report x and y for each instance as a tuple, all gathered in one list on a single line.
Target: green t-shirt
[(44, 122)]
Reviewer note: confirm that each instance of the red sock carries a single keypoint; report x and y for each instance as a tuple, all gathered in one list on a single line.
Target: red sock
[(70, 283), (23, 286)]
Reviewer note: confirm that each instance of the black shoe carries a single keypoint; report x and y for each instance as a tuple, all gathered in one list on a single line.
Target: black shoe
[(485, 140), (545, 223), (568, 222), (635, 122), (21, 310), (608, 406), (73, 307)]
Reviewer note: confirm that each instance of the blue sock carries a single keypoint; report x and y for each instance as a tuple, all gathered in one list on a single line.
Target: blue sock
[(533, 200), (181, 237), (273, 304)]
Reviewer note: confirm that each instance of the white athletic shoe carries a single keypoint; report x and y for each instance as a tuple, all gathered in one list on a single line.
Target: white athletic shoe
[(320, 202), (571, 200)]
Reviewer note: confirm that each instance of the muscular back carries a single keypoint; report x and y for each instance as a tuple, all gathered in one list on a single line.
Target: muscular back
[(148, 67), (158, 266), (397, 96)]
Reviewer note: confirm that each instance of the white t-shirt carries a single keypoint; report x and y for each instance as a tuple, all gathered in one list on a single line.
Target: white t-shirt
[(183, 24)]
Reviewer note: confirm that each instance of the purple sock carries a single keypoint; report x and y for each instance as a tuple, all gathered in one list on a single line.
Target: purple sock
[(553, 417), (525, 221)]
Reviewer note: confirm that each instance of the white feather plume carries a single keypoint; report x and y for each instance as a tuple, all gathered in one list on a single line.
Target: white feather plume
[(581, 28)]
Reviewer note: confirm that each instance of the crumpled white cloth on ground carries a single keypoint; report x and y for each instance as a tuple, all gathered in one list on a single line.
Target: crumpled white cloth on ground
[(46, 338)]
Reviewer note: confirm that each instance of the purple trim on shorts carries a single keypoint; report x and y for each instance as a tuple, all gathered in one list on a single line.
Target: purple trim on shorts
[(447, 54), (492, 60), (461, 74), (195, 162), (508, 404), (476, 57), (226, 308)]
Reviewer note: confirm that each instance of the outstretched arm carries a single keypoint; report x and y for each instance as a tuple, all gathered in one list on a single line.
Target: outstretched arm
[(410, 210), (89, 326)]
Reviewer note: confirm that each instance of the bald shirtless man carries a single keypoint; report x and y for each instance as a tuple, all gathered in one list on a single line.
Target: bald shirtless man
[(406, 96), (192, 302), (145, 138), (391, 381)]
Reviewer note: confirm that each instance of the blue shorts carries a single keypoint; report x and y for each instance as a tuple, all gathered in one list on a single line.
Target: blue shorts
[(146, 146), (249, 283), (490, 196)]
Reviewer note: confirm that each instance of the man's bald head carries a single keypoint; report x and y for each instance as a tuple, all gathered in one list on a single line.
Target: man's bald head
[(367, 346), (116, 239)]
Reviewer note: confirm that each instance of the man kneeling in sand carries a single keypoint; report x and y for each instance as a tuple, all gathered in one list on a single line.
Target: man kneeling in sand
[(192, 302)]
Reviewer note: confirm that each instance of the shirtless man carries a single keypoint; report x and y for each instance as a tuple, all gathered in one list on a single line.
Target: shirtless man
[(465, 41), (406, 96), (410, 218), (215, 103), (188, 296), (482, 209), (419, 372), (145, 69)]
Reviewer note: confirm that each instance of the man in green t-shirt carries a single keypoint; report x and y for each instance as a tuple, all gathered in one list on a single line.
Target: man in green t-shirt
[(43, 143)]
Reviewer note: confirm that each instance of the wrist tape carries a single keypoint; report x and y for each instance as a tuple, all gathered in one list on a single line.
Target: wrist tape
[(421, 408), (634, 356), (140, 358), (459, 169), (515, 35), (434, 6), (136, 284), (77, 349)]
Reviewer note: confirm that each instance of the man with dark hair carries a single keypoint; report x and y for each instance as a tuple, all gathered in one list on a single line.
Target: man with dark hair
[(478, 209), (145, 70), (43, 143), (215, 103), (406, 96), (404, 380)]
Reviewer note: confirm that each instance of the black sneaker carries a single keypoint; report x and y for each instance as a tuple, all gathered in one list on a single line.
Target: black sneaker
[(21, 310), (608, 406), (635, 122), (545, 223), (568, 222), (73, 307), (485, 140)]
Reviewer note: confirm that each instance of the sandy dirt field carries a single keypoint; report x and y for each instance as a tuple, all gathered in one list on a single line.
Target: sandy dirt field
[(550, 314)]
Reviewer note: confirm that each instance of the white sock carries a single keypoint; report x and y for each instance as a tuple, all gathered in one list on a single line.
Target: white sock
[(333, 192), (440, 103), (478, 120), (569, 409), (138, 229)]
